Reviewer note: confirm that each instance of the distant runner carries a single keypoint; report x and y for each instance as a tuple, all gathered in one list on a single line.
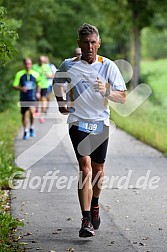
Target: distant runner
[(50, 80), (27, 81), (45, 72)]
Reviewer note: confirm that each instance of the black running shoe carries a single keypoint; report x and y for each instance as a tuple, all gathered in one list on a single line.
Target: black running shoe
[(87, 229), (95, 217)]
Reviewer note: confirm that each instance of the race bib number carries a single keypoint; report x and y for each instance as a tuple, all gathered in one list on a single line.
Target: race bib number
[(30, 85), (95, 127)]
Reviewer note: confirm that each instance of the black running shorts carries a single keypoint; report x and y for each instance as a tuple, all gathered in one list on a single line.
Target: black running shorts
[(86, 144), (25, 105), (44, 92)]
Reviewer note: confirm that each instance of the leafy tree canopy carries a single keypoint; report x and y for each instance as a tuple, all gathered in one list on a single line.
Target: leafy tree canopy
[(8, 37)]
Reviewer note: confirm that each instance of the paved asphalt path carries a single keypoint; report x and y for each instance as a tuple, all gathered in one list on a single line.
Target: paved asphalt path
[(133, 203)]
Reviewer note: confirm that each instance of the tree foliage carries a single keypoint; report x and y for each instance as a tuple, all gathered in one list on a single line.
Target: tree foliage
[(127, 18), (50, 26), (142, 14), (8, 37)]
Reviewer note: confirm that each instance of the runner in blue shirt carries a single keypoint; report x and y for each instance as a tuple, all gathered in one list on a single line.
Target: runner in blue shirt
[(27, 81)]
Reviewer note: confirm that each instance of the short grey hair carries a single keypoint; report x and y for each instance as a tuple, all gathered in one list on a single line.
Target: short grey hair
[(87, 29)]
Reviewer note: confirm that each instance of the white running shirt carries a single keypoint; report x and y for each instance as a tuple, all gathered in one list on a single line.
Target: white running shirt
[(80, 78)]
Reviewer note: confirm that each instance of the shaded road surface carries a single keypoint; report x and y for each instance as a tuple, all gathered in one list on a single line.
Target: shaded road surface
[(133, 213)]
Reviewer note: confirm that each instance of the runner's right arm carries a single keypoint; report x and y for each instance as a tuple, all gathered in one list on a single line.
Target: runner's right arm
[(16, 83), (58, 91), (58, 88)]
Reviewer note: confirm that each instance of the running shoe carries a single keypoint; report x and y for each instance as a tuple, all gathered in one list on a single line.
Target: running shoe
[(36, 115), (26, 135), (87, 229), (41, 120), (32, 133), (95, 217)]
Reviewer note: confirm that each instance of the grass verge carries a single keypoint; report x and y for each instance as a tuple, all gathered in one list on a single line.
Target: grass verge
[(156, 73), (10, 122), (147, 123)]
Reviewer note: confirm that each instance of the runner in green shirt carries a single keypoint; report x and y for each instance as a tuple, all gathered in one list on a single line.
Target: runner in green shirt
[(45, 73), (27, 81)]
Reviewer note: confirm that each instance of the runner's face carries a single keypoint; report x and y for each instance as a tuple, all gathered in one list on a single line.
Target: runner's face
[(89, 45), (28, 64)]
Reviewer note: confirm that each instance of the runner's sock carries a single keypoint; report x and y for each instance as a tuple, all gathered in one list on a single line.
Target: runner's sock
[(95, 201), (86, 214)]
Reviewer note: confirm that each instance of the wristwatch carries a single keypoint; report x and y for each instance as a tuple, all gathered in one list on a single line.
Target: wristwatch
[(107, 93)]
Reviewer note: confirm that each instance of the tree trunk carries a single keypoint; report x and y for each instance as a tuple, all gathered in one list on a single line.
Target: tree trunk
[(135, 54)]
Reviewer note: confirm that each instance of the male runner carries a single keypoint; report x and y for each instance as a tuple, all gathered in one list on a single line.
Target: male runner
[(92, 81), (27, 81), (45, 72)]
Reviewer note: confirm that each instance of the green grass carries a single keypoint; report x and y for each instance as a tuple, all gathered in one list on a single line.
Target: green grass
[(157, 78), (148, 122), (10, 122)]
